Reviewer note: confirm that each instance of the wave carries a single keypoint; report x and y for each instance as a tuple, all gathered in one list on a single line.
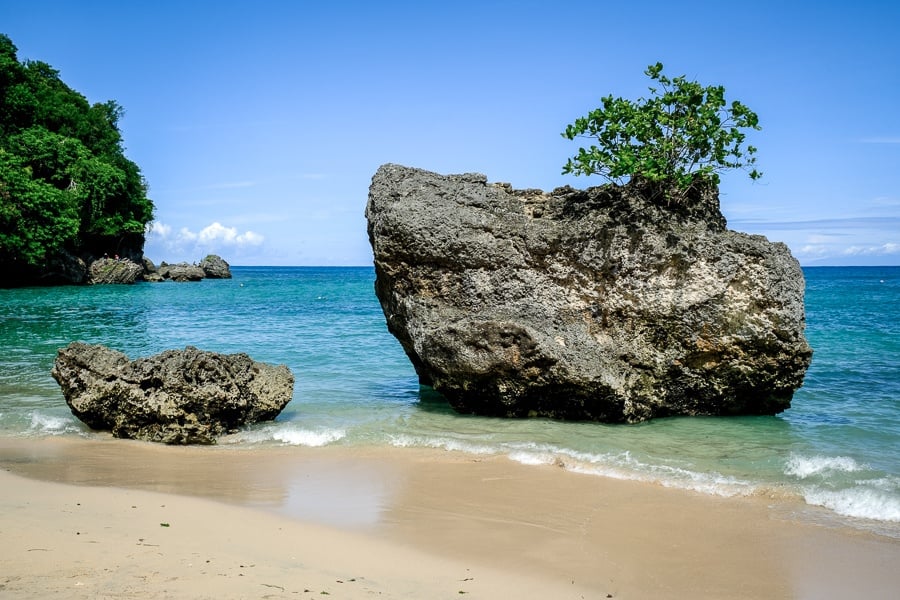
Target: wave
[(291, 436), (623, 465), (620, 465), (44, 424), (443, 443), (862, 502), (307, 437), (805, 467)]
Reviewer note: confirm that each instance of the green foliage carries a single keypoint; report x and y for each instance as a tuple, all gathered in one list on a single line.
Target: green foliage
[(64, 178), (684, 133), (37, 219)]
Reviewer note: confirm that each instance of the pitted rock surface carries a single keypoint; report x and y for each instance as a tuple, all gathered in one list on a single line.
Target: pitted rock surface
[(185, 396), (599, 304)]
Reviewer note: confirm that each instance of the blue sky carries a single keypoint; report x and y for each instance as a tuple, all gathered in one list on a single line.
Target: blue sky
[(259, 125)]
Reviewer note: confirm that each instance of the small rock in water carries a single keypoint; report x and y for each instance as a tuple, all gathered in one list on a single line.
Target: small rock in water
[(177, 397)]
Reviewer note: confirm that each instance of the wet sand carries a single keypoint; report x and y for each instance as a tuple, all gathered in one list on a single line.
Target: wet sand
[(110, 518)]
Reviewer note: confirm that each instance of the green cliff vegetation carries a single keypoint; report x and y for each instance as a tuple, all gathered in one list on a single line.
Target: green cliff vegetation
[(65, 184), (683, 134)]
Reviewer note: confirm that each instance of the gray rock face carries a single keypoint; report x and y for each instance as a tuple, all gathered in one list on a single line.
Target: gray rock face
[(215, 267), (65, 268), (597, 304), (181, 272), (151, 273), (114, 270), (177, 397)]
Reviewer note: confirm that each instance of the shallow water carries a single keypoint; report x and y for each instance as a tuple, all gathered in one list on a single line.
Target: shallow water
[(838, 447)]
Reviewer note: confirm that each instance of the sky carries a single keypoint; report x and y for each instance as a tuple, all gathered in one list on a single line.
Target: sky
[(259, 125)]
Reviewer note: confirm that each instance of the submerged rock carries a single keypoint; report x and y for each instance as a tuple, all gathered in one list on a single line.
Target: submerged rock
[(598, 304), (177, 397)]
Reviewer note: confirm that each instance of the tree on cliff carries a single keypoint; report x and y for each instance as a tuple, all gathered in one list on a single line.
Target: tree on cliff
[(65, 184), (683, 134)]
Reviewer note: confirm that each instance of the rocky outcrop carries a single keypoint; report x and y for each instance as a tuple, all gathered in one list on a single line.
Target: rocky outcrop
[(63, 269), (72, 265), (598, 304), (151, 273), (215, 267), (177, 397), (211, 267), (114, 270), (181, 272)]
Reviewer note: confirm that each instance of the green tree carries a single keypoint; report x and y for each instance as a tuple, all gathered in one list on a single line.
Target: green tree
[(37, 219), (65, 183), (683, 134)]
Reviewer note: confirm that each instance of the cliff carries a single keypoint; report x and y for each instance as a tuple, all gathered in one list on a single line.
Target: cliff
[(597, 304)]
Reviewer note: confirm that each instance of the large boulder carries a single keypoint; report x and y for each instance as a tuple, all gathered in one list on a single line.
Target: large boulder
[(114, 270), (177, 397), (215, 267), (604, 304)]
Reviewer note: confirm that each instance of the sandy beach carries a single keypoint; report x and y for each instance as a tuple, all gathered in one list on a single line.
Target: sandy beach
[(115, 519)]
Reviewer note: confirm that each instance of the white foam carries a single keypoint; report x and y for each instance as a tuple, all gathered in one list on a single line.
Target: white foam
[(808, 466), (624, 466), (859, 502), (533, 458), (714, 484), (42, 423), (450, 444), (307, 437)]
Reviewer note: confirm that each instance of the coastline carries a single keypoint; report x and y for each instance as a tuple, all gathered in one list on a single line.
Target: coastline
[(83, 518)]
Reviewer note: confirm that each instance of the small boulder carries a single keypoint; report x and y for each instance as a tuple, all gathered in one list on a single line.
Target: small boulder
[(215, 267), (181, 272), (151, 273), (185, 396)]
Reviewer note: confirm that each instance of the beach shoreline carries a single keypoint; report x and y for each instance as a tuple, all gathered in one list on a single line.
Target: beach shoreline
[(399, 523)]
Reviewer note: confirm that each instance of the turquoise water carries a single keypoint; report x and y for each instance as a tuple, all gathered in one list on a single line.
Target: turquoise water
[(838, 447)]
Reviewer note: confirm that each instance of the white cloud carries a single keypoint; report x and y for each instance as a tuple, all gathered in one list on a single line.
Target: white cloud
[(812, 251), (888, 248), (186, 234), (214, 238), (219, 234), (158, 229)]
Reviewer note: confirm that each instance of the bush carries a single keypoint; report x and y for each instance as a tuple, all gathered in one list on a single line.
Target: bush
[(682, 135)]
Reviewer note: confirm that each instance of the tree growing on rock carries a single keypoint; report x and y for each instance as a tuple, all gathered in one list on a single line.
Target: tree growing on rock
[(684, 134)]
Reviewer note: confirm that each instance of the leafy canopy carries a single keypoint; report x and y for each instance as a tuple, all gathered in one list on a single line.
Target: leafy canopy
[(682, 134), (65, 183)]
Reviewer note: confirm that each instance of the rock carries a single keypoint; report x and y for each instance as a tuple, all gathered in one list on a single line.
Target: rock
[(148, 265), (600, 304), (215, 267), (64, 268), (151, 273), (181, 272), (177, 397), (114, 270)]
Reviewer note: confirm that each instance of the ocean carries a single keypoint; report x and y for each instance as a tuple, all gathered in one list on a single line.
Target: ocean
[(836, 451)]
